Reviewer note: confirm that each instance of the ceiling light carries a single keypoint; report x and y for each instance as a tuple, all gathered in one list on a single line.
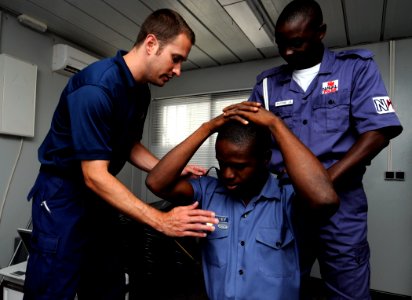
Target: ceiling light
[(252, 26), (32, 23)]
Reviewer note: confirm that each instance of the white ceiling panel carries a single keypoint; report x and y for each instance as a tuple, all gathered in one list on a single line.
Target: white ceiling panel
[(274, 8), (80, 19), (62, 27), (335, 21), (398, 20), (105, 26), (205, 39), (134, 10), (99, 10), (213, 16), (200, 58), (363, 29)]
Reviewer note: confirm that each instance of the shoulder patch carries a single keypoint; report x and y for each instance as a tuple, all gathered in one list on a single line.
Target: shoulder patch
[(355, 53), (269, 73)]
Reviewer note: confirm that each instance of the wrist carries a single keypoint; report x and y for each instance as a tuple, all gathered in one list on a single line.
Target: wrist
[(155, 218)]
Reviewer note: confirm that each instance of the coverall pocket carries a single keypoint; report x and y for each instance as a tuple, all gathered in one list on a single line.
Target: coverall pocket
[(284, 112), (43, 262), (331, 112), (216, 243), (276, 252)]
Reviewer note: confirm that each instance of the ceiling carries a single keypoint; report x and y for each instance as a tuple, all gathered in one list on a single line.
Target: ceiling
[(104, 26)]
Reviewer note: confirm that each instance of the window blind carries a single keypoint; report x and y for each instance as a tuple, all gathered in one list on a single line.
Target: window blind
[(174, 119)]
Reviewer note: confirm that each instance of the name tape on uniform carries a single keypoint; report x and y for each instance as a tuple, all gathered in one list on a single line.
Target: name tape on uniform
[(284, 103)]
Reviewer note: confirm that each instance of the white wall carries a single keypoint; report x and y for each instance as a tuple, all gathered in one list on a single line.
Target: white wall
[(35, 48), (390, 205)]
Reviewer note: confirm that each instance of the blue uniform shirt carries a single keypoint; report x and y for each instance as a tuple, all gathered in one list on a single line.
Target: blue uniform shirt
[(345, 99), (100, 116), (252, 254)]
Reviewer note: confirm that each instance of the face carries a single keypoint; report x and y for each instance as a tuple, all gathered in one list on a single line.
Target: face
[(300, 44), (166, 63), (240, 171)]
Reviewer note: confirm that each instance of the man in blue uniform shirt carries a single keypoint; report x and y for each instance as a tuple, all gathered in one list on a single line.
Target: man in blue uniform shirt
[(252, 253), (337, 105), (96, 128)]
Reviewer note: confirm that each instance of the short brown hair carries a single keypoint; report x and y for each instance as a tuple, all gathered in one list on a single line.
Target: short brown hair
[(166, 25)]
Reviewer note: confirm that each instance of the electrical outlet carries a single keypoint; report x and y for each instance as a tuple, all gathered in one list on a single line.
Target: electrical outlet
[(389, 175), (395, 175), (400, 175)]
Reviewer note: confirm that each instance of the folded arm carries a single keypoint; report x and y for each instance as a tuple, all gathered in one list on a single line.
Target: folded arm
[(368, 145)]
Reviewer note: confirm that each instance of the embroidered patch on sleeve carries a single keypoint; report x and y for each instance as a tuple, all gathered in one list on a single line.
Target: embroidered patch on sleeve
[(329, 87), (383, 105)]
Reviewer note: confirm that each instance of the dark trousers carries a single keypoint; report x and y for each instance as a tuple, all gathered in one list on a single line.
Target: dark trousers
[(75, 246)]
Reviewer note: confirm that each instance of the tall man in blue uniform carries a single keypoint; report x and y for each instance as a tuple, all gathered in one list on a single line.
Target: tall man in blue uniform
[(252, 254), (337, 105), (96, 128)]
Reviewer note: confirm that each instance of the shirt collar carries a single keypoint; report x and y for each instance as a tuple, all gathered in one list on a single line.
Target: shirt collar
[(328, 61), (326, 66), (125, 69), (270, 191)]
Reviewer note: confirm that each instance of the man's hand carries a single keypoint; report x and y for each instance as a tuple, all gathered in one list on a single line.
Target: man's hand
[(188, 221), (237, 111), (250, 111), (193, 171)]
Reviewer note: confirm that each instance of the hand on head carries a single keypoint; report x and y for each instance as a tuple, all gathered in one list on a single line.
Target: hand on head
[(249, 111)]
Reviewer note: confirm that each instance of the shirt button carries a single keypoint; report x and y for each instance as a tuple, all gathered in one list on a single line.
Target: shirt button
[(331, 101), (242, 243), (305, 122), (240, 272)]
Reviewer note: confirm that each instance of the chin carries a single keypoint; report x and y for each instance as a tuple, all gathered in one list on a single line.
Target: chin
[(159, 83)]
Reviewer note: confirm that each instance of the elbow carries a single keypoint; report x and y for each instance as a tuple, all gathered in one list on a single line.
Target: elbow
[(151, 184), (326, 205), (89, 180)]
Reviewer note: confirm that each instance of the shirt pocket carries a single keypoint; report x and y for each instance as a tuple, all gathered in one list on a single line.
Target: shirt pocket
[(331, 112), (285, 112), (276, 252), (216, 248)]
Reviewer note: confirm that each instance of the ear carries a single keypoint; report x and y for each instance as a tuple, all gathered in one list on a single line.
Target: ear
[(151, 44), (322, 31)]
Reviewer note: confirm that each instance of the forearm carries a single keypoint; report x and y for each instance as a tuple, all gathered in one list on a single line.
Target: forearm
[(142, 158), (361, 153), (310, 179), (117, 195), (164, 175)]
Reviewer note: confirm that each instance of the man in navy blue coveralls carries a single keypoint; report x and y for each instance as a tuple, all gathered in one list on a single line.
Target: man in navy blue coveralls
[(337, 105), (96, 128)]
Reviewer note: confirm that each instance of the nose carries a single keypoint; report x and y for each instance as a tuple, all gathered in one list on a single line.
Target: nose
[(227, 173), (177, 70)]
